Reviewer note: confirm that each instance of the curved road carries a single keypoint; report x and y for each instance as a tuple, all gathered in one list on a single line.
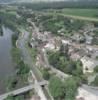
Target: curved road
[(28, 60)]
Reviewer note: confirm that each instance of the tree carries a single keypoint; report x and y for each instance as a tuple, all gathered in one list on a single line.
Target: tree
[(57, 88), (46, 74), (23, 69), (71, 66), (64, 50), (53, 58), (79, 69), (71, 85), (16, 54), (96, 69), (60, 61)]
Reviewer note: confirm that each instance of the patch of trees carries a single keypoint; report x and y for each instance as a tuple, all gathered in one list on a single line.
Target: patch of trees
[(51, 25), (22, 20), (60, 60), (16, 55), (63, 90), (22, 70), (46, 74), (63, 63), (60, 5), (95, 40), (7, 19), (11, 21), (58, 22), (21, 67)]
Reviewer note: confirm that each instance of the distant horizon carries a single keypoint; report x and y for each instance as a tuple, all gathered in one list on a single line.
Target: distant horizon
[(8, 1)]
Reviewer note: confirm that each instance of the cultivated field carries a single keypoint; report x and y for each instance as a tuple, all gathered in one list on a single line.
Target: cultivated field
[(93, 13)]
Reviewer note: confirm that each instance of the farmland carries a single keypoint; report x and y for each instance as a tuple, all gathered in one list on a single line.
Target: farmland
[(92, 13)]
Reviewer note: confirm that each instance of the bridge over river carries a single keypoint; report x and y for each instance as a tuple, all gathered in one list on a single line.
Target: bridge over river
[(22, 90)]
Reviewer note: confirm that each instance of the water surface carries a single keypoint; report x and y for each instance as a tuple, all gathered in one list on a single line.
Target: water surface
[(6, 63)]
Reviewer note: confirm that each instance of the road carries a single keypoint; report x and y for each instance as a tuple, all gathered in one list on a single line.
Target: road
[(26, 55), (28, 60), (54, 70)]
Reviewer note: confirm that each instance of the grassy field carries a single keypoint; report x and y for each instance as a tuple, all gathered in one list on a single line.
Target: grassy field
[(93, 13), (77, 13)]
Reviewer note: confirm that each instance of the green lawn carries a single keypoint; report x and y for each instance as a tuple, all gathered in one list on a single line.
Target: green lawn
[(93, 13)]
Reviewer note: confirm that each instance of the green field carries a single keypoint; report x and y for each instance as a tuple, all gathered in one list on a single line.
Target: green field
[(93, 13), (77, 13)]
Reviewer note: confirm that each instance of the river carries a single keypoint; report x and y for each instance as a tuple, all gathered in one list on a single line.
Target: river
[(6, 63)]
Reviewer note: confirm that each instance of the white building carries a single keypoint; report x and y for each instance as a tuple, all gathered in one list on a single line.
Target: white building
[(66, 42), (88, 64), (87, 93)]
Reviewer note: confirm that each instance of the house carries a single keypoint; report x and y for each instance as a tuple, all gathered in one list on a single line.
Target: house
[(88, 64), (88, 39), (65, 42), (75, 56), (53, 44), (75, 52), (78, 37), (49, 46)]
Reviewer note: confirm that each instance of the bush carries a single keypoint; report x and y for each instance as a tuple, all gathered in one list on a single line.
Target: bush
[(16, 54), (95, 82)]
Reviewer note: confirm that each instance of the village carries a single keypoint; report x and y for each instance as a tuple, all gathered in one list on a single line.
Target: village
[(80, 47)]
